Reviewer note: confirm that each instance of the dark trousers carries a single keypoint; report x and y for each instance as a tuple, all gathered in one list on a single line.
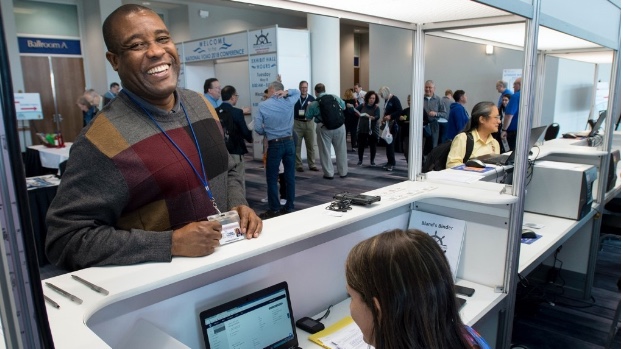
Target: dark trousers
[(511, 138), (364, 141), (277, 152), (390, 152), (282, 186), (351, 127)]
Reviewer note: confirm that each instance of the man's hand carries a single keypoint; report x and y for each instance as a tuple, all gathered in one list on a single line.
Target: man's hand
[(246, 110), (250, 223), (196, 239), (432, 113), (503, 134), (281, 93)]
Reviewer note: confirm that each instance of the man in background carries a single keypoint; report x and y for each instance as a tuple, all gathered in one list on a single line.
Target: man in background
[(359, 94), (434, 109), (235, 129), (212, 91), (458, 117), (327, 137), (136, 184), (112, 92), (304, 129), (275, 120), (511, 115), (502, 87)]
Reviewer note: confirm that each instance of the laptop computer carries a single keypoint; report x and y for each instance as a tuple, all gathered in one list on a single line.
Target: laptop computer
[(589, 133), (262, 319), (504, 159)]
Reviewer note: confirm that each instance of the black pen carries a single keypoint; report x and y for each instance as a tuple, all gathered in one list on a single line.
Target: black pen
[(90, 285), (64, 293), (51, 302)]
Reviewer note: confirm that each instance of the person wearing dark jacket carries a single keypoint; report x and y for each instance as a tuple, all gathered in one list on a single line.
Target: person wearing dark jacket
[(403, 122), (458, 117), (240, 133), (392, 111)]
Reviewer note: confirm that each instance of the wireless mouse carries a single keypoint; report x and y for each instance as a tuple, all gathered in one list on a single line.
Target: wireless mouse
[(527, 234), (475, 163)]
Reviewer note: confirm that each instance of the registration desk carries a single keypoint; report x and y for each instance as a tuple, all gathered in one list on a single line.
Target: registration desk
[(306, 248)]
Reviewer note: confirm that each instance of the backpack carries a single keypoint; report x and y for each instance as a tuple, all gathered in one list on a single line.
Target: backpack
[(437, 158), (332, 114), (227, 123)]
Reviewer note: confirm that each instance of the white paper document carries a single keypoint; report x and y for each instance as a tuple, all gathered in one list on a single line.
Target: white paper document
[(348, 337)]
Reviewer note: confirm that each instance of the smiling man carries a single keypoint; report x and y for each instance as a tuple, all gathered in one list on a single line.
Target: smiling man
[(146, 173)]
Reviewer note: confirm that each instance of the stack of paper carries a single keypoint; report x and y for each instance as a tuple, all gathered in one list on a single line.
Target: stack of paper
[(344, 334)]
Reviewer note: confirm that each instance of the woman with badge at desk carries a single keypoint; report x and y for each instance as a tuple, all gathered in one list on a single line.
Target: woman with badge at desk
[(402, 294), (484, 121)]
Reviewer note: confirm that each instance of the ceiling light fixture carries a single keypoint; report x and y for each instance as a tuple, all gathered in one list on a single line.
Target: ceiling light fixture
[(489, 49)]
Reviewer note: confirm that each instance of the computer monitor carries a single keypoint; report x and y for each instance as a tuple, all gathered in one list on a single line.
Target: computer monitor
[(262, 319)]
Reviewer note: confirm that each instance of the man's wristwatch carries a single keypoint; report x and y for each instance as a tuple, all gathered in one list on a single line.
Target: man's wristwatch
[(504, 130)]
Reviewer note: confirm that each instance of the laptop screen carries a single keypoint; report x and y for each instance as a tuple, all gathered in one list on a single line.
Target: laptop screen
[(260, 320), (597, 124)]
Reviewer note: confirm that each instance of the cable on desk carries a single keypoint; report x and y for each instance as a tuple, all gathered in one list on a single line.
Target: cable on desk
[(339, 205), (326, 314)]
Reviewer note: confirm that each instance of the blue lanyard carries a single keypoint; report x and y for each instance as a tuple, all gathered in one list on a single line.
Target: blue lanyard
[(203, 179)]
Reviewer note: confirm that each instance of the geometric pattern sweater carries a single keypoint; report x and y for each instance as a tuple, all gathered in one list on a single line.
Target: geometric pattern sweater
[(126, 187)]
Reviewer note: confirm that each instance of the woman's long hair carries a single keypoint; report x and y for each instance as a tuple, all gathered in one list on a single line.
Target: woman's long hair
[(409, 275), (480, 109)]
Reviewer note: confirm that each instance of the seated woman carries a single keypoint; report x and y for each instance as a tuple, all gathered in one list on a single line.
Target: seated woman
[(400, 304), (484, 121)]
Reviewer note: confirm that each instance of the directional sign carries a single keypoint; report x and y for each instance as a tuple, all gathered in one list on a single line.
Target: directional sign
[(28, 106)]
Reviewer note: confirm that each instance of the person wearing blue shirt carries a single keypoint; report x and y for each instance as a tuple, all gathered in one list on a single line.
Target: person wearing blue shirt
[(502, 87), (275, 120), (458, 117), (212, 91), (509, 124)]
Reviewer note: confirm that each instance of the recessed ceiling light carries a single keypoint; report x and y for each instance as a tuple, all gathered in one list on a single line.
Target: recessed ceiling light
[(146, 3)]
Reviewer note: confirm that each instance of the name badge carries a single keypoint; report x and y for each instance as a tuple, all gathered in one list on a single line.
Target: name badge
[(301, 112)]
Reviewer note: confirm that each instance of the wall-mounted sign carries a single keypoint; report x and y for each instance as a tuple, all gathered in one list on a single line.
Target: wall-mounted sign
[(510, 75), (262, 71), (218, 47), (28, 106), (49, 46), (263, 40)]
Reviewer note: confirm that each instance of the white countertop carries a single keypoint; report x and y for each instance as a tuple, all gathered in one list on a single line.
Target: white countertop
[(68, 324), (555, 232)]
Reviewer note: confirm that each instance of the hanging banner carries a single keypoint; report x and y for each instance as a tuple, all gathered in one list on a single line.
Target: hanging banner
[(225, 46), (262, 71), (28, 106), (263, 40), (47, 46), (510, 75)]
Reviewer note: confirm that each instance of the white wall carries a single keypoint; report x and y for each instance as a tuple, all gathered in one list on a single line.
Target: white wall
[(574, 91), (347, 54), (549, 91), (459, 65), (391, 60), (225, 20), (364, 62), (178, 23)]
